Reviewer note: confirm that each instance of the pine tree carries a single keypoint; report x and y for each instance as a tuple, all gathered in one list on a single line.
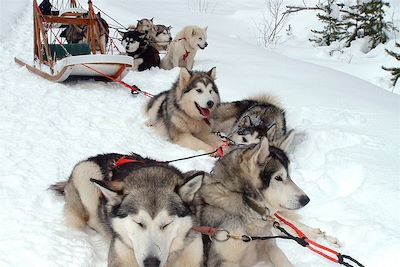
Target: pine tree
[(395, 71), (367, 19), (333, 29)]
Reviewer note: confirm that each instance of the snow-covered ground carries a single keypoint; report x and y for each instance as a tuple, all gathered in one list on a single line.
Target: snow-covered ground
[(346, 154)]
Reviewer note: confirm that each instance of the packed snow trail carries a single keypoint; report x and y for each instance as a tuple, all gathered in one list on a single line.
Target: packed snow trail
[(345, 154)]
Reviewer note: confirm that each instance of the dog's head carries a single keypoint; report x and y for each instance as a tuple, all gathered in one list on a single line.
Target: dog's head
[(162, 34), (197, 37), (196, 93), (262, 174), (132, 40), (149, 211), (145, 26), (250, 130)]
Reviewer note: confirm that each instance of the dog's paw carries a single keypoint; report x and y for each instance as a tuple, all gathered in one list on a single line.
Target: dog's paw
[(333, 240)]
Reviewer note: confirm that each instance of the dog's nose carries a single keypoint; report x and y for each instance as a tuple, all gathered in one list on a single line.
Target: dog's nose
[(304, 199), (170, 38), (205, 45), (151, 262), (210, 104), (127, 47), (146, 31)]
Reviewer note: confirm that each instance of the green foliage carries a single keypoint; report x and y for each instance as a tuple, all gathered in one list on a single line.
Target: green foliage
[(357, 21), (395, 71)]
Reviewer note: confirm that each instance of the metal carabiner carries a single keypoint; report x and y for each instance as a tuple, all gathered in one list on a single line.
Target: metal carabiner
[(219, 239)]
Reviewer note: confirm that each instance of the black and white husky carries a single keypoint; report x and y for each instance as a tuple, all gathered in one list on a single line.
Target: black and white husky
[(137, 46), (142, 205)]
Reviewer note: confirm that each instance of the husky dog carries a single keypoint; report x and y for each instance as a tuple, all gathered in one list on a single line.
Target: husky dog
[(137, 46), (245, 180), (78, 34), (247, 121), (144, 206), (183, 48), (161, 39), (182, 113), (144, 26)]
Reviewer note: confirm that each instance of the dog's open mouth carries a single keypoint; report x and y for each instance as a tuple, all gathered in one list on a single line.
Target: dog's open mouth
[(205, 112)]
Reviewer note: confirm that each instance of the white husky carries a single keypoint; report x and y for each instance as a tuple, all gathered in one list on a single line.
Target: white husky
[(183, 48)]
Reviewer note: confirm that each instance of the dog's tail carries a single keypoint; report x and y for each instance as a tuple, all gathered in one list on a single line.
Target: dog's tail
[(59, 188), (268, 99)]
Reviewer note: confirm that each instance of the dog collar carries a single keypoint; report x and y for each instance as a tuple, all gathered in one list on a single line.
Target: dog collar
[(263, 211)]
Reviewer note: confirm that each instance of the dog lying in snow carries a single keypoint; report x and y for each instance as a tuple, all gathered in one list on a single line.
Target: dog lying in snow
[(137, 46)]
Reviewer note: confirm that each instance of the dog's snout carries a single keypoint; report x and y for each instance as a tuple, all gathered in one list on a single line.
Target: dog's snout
[(210, 104), (304, 199), (206, 44), (151, 262)]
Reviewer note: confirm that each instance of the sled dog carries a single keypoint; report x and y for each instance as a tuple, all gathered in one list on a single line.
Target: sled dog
[(78, 34), (249, 176), (144, 26), (182, 113), (137, 46), (144, 206), (183, 48), (247, 121), (161, 38)]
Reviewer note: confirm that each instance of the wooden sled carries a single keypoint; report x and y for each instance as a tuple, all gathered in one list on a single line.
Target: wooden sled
[(57, 60)]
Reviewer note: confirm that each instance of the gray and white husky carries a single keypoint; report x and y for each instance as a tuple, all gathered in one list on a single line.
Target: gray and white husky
[(182, 113), (250, 176), (247, 121), (161, 38), (144, 206)]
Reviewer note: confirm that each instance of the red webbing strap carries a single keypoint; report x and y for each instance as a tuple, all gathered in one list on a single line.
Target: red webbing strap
[(206, 230), (123, 160), (311, 242), (220, 151), (132, 88)]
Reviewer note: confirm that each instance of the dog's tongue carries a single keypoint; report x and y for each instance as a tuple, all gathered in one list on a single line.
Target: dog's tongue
[(205, 112)]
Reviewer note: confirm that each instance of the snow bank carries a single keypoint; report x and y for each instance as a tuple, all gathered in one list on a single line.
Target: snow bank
[(345, 154)]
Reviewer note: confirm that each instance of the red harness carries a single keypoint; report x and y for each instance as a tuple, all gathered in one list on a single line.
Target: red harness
[(124, 160), (184, 56)]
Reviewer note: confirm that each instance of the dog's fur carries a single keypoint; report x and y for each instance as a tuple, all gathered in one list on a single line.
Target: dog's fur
[(247, 121), (137, 46), (183, 48), (161, 39), (145, 26), (181, 113), (78, 34), (258, 172), (144, 207)]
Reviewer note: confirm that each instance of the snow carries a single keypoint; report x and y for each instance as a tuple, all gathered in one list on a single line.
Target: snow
[(346, 153)]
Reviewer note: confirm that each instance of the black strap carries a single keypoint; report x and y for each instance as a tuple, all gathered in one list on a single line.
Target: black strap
[(342, 257)]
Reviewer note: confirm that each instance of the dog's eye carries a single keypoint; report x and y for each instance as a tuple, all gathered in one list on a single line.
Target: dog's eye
[(163, 227), (244, 139), (199, 90), (141, 225), (200, 38), (278, 178)]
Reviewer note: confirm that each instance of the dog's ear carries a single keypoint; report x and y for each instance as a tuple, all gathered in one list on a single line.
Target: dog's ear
[(261, 151), (169, 28), (205, 28), (193, 182), (184, 77), (112, 191), (193, 32), (152, 19), (286, 141), (271, 132), (245, 122), (212, 73)]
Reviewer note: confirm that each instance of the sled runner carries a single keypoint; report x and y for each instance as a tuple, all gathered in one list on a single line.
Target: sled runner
[(72, 42)]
